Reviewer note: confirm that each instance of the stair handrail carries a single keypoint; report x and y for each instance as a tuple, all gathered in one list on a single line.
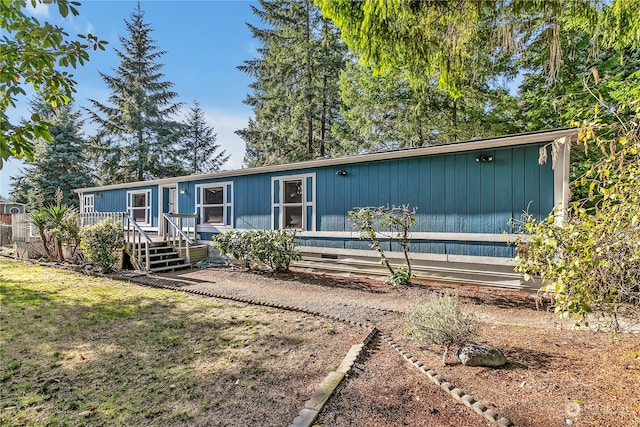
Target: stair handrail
[(136, 236), (176, 235)]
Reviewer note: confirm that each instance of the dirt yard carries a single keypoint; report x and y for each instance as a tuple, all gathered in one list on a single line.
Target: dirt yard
[(79, 351), (555, 375)]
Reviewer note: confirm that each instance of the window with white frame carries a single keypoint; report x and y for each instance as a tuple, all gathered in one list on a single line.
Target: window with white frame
[(139, 206), (293, 202), (214, 203), (88, 203)]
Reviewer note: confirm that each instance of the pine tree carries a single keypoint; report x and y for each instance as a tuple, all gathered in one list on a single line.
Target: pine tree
[(60, 164), (295, 94), (198, 144), (137, 137)]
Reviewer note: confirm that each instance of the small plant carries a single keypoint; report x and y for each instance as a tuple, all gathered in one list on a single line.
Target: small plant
[(273, 248), (103, 243), (440, 320), (393, 223)]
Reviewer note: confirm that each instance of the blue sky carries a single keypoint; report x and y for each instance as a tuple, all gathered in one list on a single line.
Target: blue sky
[(205, 41)]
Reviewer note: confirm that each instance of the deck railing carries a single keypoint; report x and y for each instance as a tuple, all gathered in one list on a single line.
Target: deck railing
[(136, 240), (91, 218), (180, 231)]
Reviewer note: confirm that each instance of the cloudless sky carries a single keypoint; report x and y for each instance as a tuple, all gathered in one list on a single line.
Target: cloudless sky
[(204, 42)]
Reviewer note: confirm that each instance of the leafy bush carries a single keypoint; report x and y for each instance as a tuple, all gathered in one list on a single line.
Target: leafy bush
[(236, 244), (273, 248), (393, 223), (103, 243), (591, 262), (57, 225), (440, 320)]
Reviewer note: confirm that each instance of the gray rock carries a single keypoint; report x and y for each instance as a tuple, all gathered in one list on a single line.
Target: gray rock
[(480, 355)]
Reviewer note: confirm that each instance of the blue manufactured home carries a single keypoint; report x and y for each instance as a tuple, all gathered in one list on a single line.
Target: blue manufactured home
[(466, 194)]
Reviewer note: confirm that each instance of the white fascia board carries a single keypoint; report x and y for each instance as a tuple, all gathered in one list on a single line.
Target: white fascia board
[(458, 147)]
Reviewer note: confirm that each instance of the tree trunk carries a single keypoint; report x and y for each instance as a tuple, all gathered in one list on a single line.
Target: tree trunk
[(309, 84), (140, 156)]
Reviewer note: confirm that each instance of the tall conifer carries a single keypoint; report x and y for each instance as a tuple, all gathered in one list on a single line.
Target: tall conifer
[(198, 144), (62, 163), (137, 134), (295, 95)]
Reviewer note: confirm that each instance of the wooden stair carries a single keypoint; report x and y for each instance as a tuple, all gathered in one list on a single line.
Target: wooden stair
[(163, 257)]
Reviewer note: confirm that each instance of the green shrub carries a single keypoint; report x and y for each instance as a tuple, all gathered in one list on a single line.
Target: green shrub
[(273, 248), (590, 261), (440, 320), (236, 244), (103, 244)]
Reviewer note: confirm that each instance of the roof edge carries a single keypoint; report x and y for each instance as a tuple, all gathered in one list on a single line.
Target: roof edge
[(457, 147)]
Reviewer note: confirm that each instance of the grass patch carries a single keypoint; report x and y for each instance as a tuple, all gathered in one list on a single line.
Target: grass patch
[(78, 350)]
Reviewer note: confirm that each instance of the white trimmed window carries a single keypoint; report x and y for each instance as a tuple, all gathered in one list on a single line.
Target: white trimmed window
[(139, 206), (293, 202), (88, 203), (214, 203)]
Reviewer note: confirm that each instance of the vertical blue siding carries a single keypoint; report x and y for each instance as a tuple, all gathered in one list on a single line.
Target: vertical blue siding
[(459, 217), (451, 192), (503, 197)]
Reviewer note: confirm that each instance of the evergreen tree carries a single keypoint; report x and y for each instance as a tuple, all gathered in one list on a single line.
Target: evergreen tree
[(198, 144), (584, 79), (61, 164), (295, 94), (446, 39), (137, 137), (385, 111)]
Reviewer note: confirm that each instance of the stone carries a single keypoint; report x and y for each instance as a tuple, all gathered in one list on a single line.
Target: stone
[(478, 408), (481, 355), (490, 415), (505, 422), (305, 418), (457, 394)]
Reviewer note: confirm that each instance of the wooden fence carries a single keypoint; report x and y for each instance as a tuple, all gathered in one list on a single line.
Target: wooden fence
[(23, 229)]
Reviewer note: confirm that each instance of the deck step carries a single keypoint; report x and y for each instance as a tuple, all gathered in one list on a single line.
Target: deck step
[(163, 257), (170, 268), (167, 261)]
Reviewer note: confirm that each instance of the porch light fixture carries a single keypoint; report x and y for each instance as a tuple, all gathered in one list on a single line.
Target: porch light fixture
[(183, 190), (341, 172), (484, 159)]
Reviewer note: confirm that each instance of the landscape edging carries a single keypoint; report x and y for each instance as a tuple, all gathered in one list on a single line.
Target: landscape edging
[(457, 394), (307, 415)]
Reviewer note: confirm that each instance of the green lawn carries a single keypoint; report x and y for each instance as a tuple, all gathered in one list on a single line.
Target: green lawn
[(77, 350)]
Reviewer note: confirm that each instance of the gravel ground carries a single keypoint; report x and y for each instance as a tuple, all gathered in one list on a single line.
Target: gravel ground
[(363, 300)]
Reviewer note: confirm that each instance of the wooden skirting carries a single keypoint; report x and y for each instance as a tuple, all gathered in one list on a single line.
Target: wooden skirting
[(197, 253), (489, 271)]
